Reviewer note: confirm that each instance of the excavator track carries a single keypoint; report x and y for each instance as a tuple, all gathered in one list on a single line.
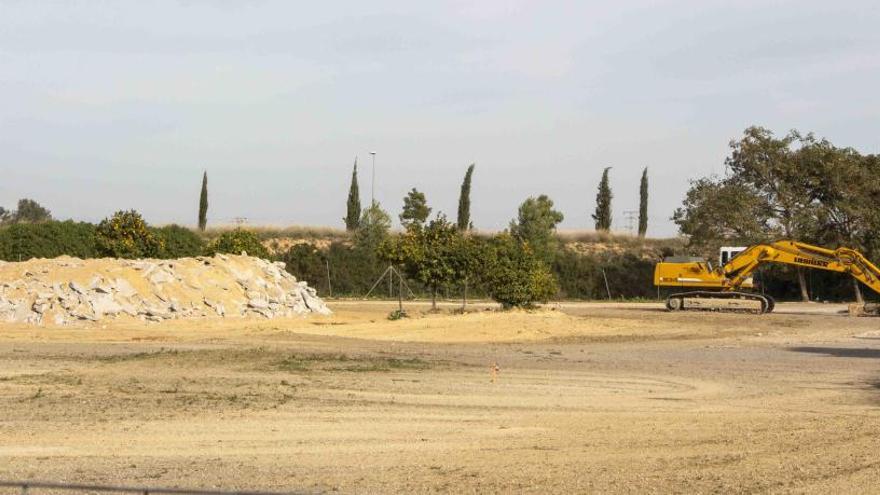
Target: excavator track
[(727, 302)]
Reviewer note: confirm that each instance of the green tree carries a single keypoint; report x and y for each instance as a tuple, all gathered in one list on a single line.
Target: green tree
[(126, 235), (846, 186), (374, 225), (236, 242), (353, 207), (29, 211), (602, 216), (774, 169), (643, 204), (470, 259), (464, 200), (415, 209), (203, 203), (716, 212), (514, 276), (5, 216), (536, 224), (430, 254)]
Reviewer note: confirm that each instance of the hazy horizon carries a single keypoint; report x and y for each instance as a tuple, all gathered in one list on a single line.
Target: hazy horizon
[(116, 106)]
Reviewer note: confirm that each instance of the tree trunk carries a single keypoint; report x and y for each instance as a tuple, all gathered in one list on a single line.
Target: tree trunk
[(858, 292), (802, 282), (464, 297), (433, 299)]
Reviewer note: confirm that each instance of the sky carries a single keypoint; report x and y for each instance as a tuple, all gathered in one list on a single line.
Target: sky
[(117, 105)]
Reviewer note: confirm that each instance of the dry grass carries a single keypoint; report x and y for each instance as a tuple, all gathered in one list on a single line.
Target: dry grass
[(266, 232), (626, 239)]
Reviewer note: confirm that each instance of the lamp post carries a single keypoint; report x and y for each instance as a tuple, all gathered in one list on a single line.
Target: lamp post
[(373, 184)]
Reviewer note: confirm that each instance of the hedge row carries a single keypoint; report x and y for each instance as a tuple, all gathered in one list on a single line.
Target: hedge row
[(24, 241)]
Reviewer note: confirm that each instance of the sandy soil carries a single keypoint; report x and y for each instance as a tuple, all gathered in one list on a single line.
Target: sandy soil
[(589, 398)]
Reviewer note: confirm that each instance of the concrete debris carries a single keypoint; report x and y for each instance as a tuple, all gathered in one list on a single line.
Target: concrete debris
[(66, 290)]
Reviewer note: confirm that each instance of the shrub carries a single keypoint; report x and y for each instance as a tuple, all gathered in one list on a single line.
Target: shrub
[(514, 276), (179, 242), (581, 275), (307, 262), (236, 241), (126, 235), (353, 269), (397, 314), (24, 241)]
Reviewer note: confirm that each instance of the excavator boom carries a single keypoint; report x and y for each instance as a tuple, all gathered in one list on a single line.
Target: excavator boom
[(726, 283)]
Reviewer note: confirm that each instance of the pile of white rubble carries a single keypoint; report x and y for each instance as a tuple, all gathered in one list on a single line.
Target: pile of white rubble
[(65, 290)]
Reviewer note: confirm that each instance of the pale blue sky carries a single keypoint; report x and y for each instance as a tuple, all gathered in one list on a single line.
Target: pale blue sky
[(117, 105)]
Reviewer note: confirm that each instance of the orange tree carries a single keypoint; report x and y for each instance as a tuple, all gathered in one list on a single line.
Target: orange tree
[(126, 235)]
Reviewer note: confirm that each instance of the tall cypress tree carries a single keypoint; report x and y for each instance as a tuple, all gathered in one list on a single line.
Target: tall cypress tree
[(353, 217), (464, 200), (643, 204), (603, 204), (203, 203)]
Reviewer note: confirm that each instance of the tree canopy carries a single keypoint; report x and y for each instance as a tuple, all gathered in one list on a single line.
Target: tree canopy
[(373, 227), (797, 187), (464, 200), (28, 211), (536, 225), (643, 204), (353, 205), (602, 215), (203, 203), (415, 209), (434, 254)]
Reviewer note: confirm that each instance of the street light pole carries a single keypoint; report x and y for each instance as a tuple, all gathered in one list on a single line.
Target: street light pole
[(373, 184)]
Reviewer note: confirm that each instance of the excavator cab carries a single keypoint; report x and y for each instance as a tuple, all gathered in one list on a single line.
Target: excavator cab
[(727, 253)]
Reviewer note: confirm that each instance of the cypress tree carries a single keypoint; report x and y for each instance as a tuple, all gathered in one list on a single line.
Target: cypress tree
[(464, 200), (643, 204), (603, 204), (353, 216), (203, 203)]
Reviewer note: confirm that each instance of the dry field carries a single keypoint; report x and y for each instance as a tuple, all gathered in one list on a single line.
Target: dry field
[(589, 398)]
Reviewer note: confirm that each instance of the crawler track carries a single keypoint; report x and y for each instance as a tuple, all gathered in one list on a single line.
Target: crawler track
[(729, 302)]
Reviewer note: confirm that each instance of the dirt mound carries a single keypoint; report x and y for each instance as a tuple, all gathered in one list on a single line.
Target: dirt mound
[(65, 290)]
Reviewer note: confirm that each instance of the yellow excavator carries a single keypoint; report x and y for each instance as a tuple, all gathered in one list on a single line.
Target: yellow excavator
[(721, 288)]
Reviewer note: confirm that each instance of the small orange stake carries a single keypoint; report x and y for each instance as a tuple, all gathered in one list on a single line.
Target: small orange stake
[(494, 369)]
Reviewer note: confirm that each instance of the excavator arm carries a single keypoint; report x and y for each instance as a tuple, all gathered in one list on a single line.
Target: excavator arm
[(727, 281), (842, 260)]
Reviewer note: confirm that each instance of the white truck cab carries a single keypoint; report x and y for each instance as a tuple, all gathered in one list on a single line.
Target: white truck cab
[(728, 252)]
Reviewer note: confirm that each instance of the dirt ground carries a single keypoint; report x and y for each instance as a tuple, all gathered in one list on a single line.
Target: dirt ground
[(615, 398)]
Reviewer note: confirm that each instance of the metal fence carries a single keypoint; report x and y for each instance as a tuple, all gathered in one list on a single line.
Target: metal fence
[(34, 487)]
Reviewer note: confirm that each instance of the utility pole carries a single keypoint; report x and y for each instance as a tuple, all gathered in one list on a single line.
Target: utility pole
[(630, 216), (373, 183)]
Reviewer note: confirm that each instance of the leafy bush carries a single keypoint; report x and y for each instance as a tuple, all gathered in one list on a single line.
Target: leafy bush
[(236, 241), (397, 314), (514, 276), (126, 235), (179, 242), (24, 241), (579, 275)]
